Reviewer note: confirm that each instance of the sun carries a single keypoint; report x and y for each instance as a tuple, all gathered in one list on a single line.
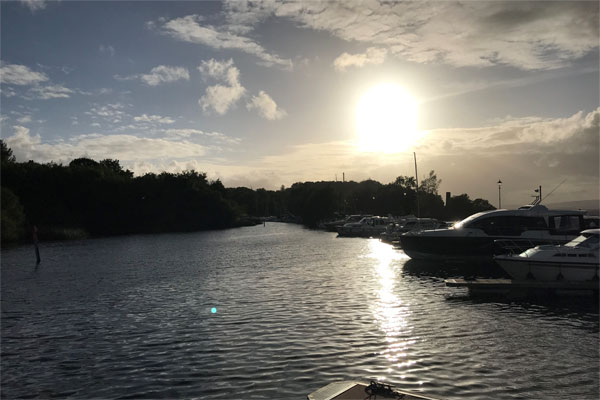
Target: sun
[(386, 119)]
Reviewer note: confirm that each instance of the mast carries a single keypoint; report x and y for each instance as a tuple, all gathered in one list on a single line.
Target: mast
[(417, 189)]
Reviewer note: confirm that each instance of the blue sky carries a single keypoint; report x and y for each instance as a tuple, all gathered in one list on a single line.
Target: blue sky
[(264, 94)]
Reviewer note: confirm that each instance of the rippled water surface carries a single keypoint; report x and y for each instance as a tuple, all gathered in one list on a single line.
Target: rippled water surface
[(133, 317)]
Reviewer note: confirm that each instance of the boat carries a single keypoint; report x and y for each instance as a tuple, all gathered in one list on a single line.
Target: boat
[(356, 390), (577, 260), (333, 226), (409, 224), (474, 237), (366, 227)]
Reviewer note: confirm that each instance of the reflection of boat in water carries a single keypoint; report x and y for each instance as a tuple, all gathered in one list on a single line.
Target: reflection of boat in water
[(438, 269), (574, 261), (366, 227), (473, 237), (353, 390)]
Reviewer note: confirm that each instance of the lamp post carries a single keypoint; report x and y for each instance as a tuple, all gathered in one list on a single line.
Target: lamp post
[(499, 193)]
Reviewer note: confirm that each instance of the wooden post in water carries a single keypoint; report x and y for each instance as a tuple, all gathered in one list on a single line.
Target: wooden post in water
[(417, 188), (35, 244)]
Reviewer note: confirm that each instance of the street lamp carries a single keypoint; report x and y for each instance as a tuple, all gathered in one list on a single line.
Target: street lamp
[(499, 193)]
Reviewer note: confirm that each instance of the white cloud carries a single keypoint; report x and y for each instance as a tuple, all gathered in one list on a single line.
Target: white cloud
[(165, 74), (190, 29), (220, 98), (21, 142), (15, 74), (34, 5), (25, 119), (216, 136), (526, 35), (154, 119), (51, 92), (110, 112), (266, 106), (372, 56), (126, 148), (158, 75), (108, 49)]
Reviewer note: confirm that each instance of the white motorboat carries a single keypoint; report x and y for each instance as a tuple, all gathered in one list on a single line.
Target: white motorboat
[(575, 261), (333, 226), (366, 227), (474, 236)]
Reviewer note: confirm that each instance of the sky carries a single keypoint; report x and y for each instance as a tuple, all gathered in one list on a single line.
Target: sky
[(268, 93)]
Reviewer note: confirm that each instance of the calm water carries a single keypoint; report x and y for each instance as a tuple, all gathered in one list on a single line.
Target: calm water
[(131, 317)]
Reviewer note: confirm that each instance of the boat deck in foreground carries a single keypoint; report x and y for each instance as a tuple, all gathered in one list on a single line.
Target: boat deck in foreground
[(527, 287), (353, 390)]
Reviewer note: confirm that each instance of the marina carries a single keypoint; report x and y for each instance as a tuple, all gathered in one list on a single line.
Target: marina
[(250, 313)]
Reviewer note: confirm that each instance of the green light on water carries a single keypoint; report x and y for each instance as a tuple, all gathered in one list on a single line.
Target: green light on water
[(213, 310)]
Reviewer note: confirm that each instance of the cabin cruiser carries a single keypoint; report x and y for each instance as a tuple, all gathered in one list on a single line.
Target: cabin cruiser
[(366, 227), (333, 226), (575, 261), (473, 237)]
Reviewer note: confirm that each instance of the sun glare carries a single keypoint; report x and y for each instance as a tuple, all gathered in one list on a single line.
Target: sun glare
[(386, 119)]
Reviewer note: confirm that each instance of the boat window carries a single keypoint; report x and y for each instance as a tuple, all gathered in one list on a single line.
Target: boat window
[(566, 224), (586, 240), (533, 223), (505, 225)]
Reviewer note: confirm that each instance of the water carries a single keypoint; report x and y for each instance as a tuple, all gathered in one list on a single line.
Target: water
[(272, 312)]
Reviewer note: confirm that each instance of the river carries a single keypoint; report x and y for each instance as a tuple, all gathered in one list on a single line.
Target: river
[(273, 312)]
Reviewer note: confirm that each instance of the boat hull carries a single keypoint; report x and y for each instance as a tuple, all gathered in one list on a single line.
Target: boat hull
[(443, 248), (520, 268)]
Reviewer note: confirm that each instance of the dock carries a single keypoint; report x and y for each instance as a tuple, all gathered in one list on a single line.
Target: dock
[(526, 288)]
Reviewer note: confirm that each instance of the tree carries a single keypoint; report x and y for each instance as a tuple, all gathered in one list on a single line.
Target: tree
[(12, 217), (430, 184), (7, 154)]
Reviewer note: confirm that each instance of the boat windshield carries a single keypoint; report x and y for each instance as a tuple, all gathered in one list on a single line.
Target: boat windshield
[(465, 222), (585, 240)]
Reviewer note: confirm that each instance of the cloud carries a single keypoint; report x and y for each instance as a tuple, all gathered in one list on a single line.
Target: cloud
[(165, 74), (25, 119), (216, 136), (50, 92), (126, 148), (34, 5), (525, 35), (266, 106), (110, 112), (15, 74), (190, 29), (372, 56), (158, 75), (220, 98), (154, 119), (110, 50)]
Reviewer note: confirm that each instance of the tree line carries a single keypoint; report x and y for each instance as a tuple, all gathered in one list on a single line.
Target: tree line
[(101, 198)]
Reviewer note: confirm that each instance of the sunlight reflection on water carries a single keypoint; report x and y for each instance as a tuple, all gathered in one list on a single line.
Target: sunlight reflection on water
[(391, 312)]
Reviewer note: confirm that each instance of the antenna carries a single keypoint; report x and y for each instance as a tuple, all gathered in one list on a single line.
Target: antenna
[(557, 186)]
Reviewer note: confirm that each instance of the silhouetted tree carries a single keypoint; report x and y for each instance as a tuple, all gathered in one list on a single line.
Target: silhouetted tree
[(7, 154), (12, 217)]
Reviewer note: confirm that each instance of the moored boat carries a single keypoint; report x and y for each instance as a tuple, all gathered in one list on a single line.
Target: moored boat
[(409, 224), (473, 237), (333, 226), (366, 227), (577, 260)]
